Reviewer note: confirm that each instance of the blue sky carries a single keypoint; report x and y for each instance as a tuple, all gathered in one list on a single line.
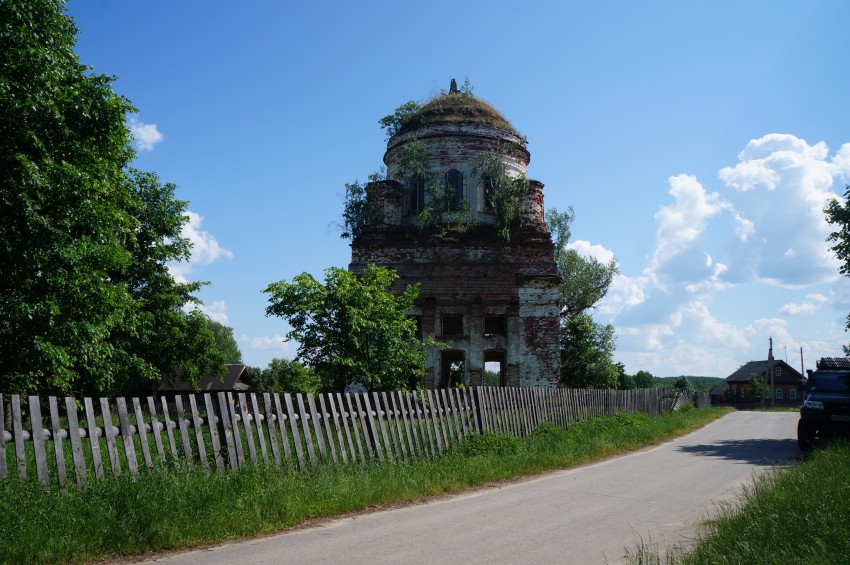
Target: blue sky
[(696, 141)]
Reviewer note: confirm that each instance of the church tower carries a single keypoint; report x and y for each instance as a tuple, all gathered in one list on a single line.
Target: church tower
[(459, 216)]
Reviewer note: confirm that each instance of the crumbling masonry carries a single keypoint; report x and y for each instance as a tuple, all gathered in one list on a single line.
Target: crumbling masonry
[(493, 300)]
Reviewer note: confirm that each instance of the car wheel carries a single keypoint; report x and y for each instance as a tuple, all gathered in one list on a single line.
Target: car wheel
[(807, 435)]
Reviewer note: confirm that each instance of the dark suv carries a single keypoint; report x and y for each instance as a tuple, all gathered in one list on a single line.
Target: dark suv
[(826, 408)]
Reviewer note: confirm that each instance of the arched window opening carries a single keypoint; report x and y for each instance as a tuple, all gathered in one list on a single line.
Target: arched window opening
[(454, 189), (417, 197)]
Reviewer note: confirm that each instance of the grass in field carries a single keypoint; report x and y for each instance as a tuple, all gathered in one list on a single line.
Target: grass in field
[(167, 508), (799, 515)]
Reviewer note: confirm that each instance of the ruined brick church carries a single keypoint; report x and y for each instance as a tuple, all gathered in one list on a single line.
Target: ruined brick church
[(492, 299)]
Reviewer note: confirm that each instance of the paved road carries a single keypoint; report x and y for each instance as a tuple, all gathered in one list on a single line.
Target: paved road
[(583, 516)]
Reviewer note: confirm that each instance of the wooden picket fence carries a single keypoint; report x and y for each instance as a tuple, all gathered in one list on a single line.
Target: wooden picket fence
[(226, 430)]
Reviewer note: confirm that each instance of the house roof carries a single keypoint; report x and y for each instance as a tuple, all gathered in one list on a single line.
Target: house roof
[(745, 371), (834, 363), (454, 108), (720, 389), (233, 379)]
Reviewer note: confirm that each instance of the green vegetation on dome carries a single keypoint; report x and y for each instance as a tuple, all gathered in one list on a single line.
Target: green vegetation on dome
[(457, 107)]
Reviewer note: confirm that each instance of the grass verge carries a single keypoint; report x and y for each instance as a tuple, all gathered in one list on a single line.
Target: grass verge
[(166, 509), (797, 515)]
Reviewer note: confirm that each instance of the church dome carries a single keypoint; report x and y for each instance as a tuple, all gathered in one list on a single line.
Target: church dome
[(456, 108)]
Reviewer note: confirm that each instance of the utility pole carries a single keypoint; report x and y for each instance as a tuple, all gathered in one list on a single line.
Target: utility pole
[(802, 367), (770, 370)]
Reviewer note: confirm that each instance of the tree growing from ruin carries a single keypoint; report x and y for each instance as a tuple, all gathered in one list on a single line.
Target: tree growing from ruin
[(352, 330)]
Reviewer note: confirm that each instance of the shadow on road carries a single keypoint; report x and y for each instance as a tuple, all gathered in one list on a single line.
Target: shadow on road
[(766, 452)]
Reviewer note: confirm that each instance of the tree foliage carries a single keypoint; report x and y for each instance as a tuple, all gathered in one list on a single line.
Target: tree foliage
[(503, 194), (838, 214), (352, 330), (758, 388), (225, 342), (86, 301), (286, 375), (644, 379), (586, 351), (392, 123), (587, 347)]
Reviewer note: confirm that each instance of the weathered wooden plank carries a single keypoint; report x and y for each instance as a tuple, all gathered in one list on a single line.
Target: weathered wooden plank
[(155, 427), (4, 469), (337, 428), (399, 417), (94, 442), (56, 430), (234, 428), (284, 434), (373, 438), (110, 433), (358, 424), (247, 426), (459, 404), (258, 421), (169, 428), (345, 413), (481, 408), (448, 431), (198, 427), (317, 427), (293, 425), (305, 426), (143, 435), (18, 433), (392, 446), (38, 440), (183, 424), (363, 433), (521, 406), (433, 409), (495, 411), (423, 415), (127, 435), (212, 426), (469, 394), (326, 419), (405, 418), (267, 406), (226, 421), (76, 443), (412, 415)]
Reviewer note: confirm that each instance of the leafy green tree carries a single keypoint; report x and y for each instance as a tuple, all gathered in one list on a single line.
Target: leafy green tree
[(624, 380), (758, 388), (225, 342), (838, 214), (285, 375), (86, 301), (682, 383), (586, 349), (352, 329), (644, 379), (503, 193), (393, 123), (584, 282)]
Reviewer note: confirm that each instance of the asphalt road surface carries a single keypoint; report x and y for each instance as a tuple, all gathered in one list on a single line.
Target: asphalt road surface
[(586, 515)]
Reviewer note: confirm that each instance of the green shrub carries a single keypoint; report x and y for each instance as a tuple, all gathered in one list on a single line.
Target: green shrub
[(491, 444)]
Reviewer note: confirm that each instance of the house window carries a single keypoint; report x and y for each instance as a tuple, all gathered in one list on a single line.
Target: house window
[(452, 324), (792, 394), (452, 369), (454, 189), (777, 371), (494, 325), (778, 394)]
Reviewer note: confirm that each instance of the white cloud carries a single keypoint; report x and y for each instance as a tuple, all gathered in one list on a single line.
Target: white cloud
[(267, 343), (681, 224), (205, 248), (765, 227), (778, 191), (586, 249), (217, 311), (146, 135)]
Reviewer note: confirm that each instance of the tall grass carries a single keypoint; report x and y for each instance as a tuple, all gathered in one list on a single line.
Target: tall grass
[(167, 508), (797, 515)]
